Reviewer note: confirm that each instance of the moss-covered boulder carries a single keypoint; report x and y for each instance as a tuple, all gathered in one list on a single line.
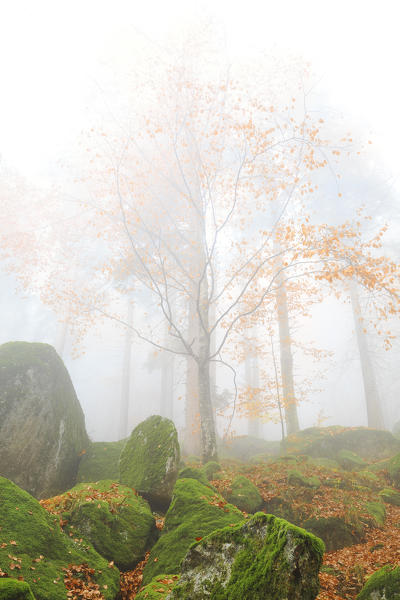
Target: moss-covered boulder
[(377, 512), (298, 479), (265, 558), (42, 427), (117, 521), (390, 496), (369, 444), (393, 469), (159, 588), (334, 532), (100, 461), (33, 546), (350, 460), (384, 584), (193, 473), (245, 495), (281, 508), (211, 468), (195, 511), (12, 589), (149, 461)]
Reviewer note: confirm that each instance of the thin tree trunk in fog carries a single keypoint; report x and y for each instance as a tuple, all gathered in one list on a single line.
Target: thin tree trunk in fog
[(252, 375), (372, 400), (286, 359), (126, 382), (192, 410), (167, 375), (278, 394)]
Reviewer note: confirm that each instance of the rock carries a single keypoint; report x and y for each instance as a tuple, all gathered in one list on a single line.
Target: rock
[(193, 473), (100, 461), (369, 444), (150, 460), (390, 496), (33, 545), (334, 532), (195, 511), (12, 589), (158, 588), (377, 511), (281, 508), (112, 517), (211, 468), (245, 495), (265, 558), (384, 584), (244, 446), (297, 478), (350, 461), (42, 427)]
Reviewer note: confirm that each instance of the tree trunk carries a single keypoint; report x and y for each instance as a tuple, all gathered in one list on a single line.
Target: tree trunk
[(126, 376), (371, 394), (286, 359), (252, 375), (192, 412)]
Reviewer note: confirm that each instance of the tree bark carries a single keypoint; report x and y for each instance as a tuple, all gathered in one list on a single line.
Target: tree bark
[(126, 381), (371, 394), (252, 375)]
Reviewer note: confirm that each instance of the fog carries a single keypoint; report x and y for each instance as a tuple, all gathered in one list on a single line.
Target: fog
[(100, 200)]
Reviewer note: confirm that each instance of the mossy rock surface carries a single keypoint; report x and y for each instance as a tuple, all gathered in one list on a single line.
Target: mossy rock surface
[(265, 558), (40, 551), (298, 479), (334, 532), (390, 496), (245, 495), (211, 468), (159, 588), (193, 473), (117, 521), (42, 426), (150, 459), (350, 461), (393, 468), (384, 584), (377, 511), (279, 507), (369, 444), (12, 589), (195, 511), (100, 461)]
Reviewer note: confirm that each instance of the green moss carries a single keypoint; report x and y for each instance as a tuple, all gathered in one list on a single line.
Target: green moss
[(33, 538), (390, 496), (265, 558), (117, 521), (150, 459), (350, 460), (297, 478), (100, 461), (377, 511), (193, 473), (211, 468), (245, 495), (334, 531), (326, 463), (12, 589), (195, 511), (383, 584), (158, 588), (393, 468)]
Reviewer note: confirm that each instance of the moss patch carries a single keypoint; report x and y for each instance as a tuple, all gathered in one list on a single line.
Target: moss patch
[(100, 461), (265, 558), (350, 460), (377, 511), (117, 521), (12, 589), (384, 584), (193, 473), (150, 460), (40, 551), (195, 511), (211, 468), (297, 478), (158, 588), (245, 495), (390, 496)]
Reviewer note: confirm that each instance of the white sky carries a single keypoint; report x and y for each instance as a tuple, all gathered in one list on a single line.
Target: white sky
[(49, 51)]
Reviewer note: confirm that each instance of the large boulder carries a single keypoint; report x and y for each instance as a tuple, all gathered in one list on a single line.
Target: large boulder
[(42, 427), (334, 531), (265, 558), (384, 584), (33, 546), (150, 460), (244, 494), (117, 521), (100, 461), (196, 510)]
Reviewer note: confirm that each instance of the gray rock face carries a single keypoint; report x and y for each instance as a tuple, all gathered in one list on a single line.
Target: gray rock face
[(42, 426), (150, 460)]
